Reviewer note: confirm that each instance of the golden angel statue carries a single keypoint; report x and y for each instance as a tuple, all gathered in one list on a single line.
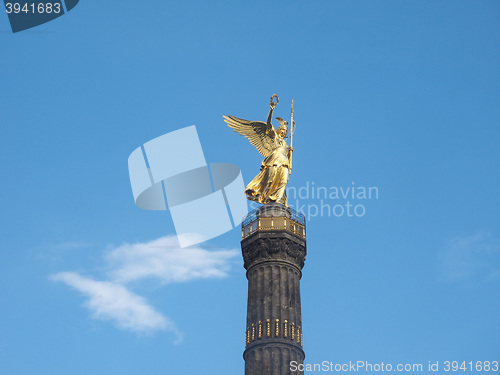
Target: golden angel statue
[(269, 185)]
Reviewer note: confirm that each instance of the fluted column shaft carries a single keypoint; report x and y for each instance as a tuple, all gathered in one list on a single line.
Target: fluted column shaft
[(274, 262)]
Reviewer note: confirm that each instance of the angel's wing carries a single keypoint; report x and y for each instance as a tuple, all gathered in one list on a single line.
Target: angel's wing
[(255, 131)]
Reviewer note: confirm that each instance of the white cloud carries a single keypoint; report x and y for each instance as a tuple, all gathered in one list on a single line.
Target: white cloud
[(110, 301), (470, 257), (162, 259)]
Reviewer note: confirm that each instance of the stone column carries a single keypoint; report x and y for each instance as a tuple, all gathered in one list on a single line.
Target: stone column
[(274, 250)]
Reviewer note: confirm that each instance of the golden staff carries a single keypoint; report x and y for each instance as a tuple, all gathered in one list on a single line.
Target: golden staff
[(292, 130)]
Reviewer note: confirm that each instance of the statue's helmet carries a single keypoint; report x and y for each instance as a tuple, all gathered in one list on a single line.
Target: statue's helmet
[(283, 128)]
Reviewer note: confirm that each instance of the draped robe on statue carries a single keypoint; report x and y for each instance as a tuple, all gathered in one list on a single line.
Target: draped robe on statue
[(269, 185)]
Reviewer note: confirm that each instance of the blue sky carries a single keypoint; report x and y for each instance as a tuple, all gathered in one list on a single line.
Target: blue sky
[(398, 95)]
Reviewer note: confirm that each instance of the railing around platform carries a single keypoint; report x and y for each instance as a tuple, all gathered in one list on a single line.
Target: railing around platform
[(294, 224)]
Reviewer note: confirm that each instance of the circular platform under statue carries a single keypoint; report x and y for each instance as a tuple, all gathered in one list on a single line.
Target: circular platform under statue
[(273, 210)]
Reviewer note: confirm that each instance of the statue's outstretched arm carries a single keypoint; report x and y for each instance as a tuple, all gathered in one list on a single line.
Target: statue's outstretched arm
[(270, 127), (260, 134)]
